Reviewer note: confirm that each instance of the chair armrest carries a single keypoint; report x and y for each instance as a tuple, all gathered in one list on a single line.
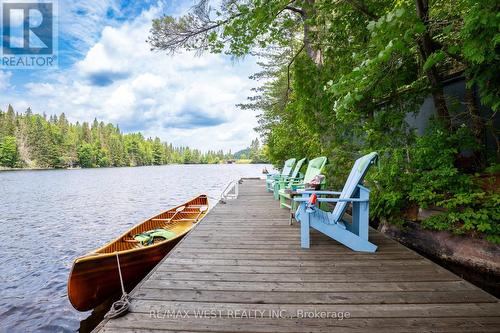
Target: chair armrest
[(296, 187), (270, 175), (296, 182), (292, 179), (321, 192), (284, 183), (281, 183), (304, 199)]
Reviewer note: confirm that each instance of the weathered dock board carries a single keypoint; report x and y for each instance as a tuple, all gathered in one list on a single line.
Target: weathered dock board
[(242, 270)]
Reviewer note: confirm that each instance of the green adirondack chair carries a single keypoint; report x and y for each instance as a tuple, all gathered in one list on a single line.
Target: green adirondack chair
[(352, 234), (287, 169), (314, 168), (296, 176)]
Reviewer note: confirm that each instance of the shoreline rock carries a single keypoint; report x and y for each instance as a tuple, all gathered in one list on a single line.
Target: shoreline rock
[(476, 260)]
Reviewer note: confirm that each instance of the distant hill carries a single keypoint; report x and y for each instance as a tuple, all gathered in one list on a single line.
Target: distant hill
[(242, 152), (255, 153)]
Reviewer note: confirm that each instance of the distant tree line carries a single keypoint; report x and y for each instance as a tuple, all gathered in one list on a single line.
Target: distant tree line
[(32, 141), (255, 153)]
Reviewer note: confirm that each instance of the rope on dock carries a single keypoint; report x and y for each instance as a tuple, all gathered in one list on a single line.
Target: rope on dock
[(120, 307)]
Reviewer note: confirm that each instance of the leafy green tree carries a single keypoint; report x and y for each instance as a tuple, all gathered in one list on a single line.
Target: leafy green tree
[(158, 152), (8, 124), (340, 78), (187, 157), (254, 150), (86, 155), (9, 155), (100, 155)]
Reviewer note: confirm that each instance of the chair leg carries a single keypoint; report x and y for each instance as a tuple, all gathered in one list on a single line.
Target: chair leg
[(345, 237), (352, 241), (304, 232), (361, 216), (282, 202), (276, 189), (354, 228)]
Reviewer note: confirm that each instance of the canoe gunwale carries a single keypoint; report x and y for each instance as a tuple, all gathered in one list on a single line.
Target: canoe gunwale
[(95, 253)]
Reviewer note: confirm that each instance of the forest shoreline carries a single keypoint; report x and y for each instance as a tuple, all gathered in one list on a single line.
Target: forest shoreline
[(7, 169), (30, 140)]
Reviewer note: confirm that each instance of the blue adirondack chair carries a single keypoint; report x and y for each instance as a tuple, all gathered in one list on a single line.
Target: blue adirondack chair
[(353, 235), (296, 176), (271, 178)]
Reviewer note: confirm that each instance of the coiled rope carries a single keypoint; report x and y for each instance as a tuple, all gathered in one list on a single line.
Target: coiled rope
[(120, 307)]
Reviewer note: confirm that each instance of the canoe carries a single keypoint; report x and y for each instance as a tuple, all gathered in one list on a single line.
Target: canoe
[(94, 277)]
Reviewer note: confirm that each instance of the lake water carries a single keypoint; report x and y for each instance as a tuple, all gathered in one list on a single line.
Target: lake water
[(48, 218)]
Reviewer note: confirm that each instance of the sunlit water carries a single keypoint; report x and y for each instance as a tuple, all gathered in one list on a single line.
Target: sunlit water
[(47, 218)]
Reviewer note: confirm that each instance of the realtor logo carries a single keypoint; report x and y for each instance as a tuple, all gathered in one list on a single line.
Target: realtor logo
[(29, 38)]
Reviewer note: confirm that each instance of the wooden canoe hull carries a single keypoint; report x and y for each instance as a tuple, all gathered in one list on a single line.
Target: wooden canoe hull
[(92, 282), (94, 277)]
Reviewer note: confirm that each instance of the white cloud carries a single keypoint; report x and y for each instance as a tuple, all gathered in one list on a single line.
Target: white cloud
[(148, 83), (184, 99), (5, 80), (40, 89), (81, 21)]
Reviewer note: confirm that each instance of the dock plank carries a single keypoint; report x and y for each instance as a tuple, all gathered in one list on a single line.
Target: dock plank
[(140, 322), (264, 297), (245, 258)]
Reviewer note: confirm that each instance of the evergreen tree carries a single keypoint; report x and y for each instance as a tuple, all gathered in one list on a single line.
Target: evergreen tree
[(9, 155), (158, 152), (86, 155)]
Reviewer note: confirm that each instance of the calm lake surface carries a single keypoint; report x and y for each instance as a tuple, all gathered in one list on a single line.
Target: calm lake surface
[(48, 218)]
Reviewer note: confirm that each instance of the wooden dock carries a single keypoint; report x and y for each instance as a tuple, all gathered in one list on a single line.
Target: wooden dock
[(242, 270)]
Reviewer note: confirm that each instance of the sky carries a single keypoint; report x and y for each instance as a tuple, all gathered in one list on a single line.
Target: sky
[(107, 71)]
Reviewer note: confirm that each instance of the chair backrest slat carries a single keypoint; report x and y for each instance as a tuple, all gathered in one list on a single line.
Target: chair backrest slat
[(297, 168), (287, 168), (314, 168), (356, 177)]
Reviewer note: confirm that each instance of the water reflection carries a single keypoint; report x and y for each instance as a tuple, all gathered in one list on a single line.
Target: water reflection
[(47, 218)]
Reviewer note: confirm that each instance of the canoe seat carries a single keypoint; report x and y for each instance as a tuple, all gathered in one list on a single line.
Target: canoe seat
[(161, 220), (185, 220)]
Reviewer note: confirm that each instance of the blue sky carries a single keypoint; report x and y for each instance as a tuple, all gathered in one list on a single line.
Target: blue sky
[(106, 70)]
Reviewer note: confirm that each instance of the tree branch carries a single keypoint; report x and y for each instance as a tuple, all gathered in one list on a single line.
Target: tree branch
[(167, 35), (361, 7), (296, 10)]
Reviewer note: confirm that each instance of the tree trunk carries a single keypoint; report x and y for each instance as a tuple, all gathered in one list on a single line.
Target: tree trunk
[(313, 51), (426, 47)]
